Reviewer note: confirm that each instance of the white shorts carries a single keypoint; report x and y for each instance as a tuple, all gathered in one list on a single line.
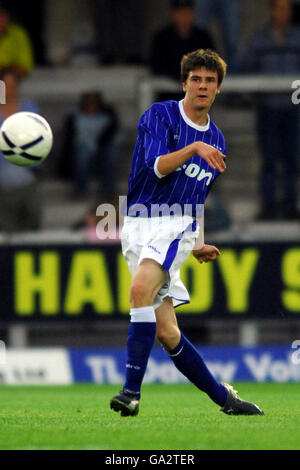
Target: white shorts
[(167, 240)]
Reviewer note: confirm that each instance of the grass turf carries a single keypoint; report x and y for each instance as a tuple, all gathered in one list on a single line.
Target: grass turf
[(172, 417)]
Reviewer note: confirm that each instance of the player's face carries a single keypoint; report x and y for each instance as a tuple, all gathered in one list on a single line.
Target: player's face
[(201, 88)]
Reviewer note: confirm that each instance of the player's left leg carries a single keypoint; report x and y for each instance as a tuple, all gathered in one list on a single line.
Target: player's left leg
[(187, 359)]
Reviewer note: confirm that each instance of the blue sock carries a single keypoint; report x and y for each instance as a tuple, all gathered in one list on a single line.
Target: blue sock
[(189, 362), (141, 336)]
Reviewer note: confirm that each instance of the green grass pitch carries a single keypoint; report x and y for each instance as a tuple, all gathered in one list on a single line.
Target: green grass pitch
[(177, 417)]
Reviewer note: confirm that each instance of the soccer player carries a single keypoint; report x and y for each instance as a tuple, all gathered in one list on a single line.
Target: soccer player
[(178, 154)]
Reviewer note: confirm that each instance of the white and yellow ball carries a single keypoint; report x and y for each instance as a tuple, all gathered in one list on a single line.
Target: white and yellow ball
[(25, 138)]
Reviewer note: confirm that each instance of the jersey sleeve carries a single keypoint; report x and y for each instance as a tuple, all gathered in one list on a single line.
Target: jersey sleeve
[(157, 138)]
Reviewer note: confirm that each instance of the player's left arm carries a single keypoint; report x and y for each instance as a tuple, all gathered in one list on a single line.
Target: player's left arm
[(202, 252), (206, 253)]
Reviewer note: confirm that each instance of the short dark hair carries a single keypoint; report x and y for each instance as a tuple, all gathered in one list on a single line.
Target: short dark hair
[(203, 58)]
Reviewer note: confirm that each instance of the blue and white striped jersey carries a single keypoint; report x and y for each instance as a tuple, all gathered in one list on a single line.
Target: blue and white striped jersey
[(162, 129)]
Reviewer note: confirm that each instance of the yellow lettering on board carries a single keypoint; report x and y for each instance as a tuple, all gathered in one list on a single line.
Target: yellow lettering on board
[(291, 278), (88, 284), (124, 280), (238, 271), (43, 283)]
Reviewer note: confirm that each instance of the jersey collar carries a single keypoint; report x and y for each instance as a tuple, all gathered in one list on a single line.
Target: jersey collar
[(190, 122)]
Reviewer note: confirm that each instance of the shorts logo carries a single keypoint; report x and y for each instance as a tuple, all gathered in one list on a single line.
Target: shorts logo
[(154, 249)]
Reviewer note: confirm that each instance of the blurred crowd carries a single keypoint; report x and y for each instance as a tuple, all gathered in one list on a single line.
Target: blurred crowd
[(107, 33)]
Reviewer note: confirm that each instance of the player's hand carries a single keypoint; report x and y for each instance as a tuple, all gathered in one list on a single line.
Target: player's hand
[(211, 155), (207, 253)]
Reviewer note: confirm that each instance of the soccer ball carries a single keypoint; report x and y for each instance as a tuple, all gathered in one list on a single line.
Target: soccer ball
[(25, 138)]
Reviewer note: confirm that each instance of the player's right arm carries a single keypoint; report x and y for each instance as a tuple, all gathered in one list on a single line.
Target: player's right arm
[(170, 162), (156, 138)]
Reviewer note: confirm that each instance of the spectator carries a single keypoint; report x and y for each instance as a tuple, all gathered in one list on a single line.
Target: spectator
[(15, 46), (228, 13), (19, 198), (91, 138), (275, 49), (176, 39)]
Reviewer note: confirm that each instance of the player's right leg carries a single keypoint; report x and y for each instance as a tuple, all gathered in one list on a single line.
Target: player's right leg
[(187, 359), (146, 282)]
